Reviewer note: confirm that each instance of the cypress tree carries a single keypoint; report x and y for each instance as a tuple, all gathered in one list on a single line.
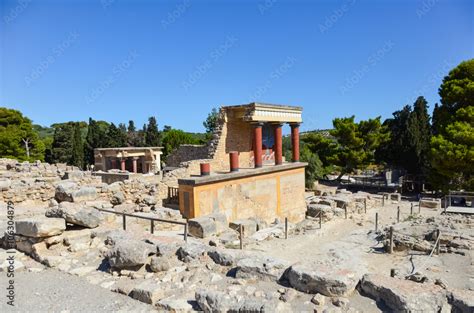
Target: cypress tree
[(152, 135), (77, 156)]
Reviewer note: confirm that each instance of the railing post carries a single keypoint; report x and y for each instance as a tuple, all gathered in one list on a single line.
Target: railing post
[(320, 219), (286, 227), (186, 232), (376, 221), (398, 214), (124, 221), (391, 240), (152, 226), (411, 209), (365, 205), (383, 200), (438, 241), (345, 210), (241, 236)]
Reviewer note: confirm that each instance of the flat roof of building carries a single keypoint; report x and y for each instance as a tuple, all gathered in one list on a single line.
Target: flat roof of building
[(265, 105)]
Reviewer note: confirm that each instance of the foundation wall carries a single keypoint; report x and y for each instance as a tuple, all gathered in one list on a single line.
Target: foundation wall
[(265, 196)]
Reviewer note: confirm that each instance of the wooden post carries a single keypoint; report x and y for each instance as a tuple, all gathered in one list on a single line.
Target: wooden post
[(345, 210), (286, 227), (186, 232), (391, 240), (392, 272), (438, 241), (376, 221), (152, 226), (241, 236), (365, 205), (411, 209), (398, 214), (320, 219), (383, 200), (124, 221)]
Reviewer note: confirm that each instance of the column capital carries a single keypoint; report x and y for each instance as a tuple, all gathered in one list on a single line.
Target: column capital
[(257, 124), (292, 124), (276, 124)]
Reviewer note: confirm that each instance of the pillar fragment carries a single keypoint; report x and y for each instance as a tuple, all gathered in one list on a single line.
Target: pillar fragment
[(122, 164), (135, 167)]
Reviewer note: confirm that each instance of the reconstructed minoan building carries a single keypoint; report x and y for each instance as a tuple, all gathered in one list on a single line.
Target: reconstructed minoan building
[(132, 159), (242, 172)]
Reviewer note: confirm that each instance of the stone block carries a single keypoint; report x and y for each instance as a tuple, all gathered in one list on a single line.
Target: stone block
[(202, 227), (249, 226), (43, 227), (148, 292)]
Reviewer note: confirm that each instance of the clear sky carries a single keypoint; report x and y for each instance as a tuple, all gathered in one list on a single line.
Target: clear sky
[(118, 60)]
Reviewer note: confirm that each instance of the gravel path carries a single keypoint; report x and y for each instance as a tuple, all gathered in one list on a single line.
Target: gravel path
[(55, 291)]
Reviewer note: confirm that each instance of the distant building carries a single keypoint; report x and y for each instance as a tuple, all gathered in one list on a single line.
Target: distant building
[(132, 159)]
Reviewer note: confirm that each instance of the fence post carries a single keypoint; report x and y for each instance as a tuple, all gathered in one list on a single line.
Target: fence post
[(376, 221), (391, 240), (152, 229), (398, 214), (345, 210), (320, 219), (438, 241), (365, 205), (383, 200), (124, 221), (286, 227), (411, 209), (392, 272), (186, 232), (241, 235)]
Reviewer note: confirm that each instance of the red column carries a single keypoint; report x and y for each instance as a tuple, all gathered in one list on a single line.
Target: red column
[(234, 161), (257, 145), (278, 144), (122, 164), (113, 164), (295, 141), (135, 165), (205, 169)]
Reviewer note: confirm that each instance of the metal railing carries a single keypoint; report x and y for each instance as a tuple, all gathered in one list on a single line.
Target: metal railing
[(151, 219)]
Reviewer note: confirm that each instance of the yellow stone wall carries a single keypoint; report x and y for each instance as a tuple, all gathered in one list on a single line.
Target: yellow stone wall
[(266, 196)]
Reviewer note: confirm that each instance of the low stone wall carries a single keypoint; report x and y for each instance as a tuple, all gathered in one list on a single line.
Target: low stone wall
[(265, 193), (187, 153)]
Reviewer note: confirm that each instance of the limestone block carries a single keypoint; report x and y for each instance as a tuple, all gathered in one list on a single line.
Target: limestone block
[(43, 227), (202, 227), (249, 226)]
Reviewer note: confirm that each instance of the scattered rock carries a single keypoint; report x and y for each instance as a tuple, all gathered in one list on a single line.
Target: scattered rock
[(64, 191), (148, 292), (462, 300), (202, 227), (191, 251), (129, 254), (260, 267), (117, 198), (159, 264), (318, 299), (249, 226)]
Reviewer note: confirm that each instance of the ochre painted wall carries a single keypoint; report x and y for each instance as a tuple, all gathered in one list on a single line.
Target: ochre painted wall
[(266, 196)]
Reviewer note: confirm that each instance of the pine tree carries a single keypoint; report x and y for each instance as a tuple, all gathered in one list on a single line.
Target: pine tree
[(62, 145), (77, 156), (152, 135), (115, 137)]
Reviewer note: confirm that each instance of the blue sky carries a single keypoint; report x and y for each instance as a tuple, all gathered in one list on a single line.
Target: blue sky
[(118, 60)]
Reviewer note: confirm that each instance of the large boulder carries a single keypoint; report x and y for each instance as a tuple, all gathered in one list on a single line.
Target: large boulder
[(159, 264), (225, 257), (315, 209), (43, 227), (404, 295), (260, 267), (320, 278), (75, 214), (202, 227), (64, 191), (130, 254), (85, 193)]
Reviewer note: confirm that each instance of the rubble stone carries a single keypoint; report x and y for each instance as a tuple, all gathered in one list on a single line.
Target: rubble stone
[(44, 227)]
